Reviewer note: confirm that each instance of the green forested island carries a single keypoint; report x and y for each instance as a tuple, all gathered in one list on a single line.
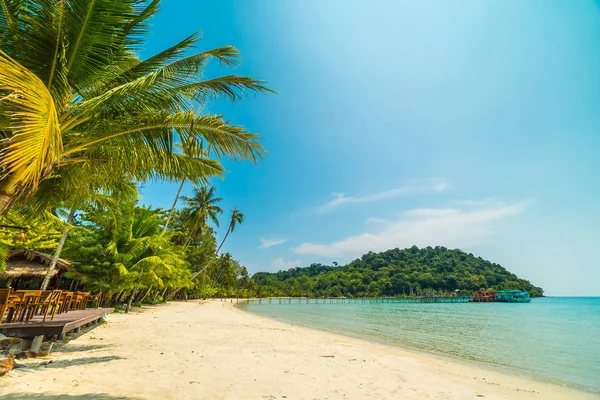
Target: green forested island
[(395, 272)]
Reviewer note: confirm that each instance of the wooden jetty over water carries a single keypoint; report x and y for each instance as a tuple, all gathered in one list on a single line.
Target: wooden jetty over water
[(345, 300)]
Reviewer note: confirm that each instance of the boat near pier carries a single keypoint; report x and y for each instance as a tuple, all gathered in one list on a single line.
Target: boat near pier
[(513, 296)]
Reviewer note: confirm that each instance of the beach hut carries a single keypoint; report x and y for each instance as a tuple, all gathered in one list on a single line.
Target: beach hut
[(25, 269)]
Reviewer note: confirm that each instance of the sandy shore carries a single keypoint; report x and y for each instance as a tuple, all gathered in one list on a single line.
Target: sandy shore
[(214, 351)]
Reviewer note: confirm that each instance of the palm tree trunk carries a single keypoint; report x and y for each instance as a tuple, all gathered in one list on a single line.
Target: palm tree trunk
[(119, 297), (5, 201), (173, 206), (130, 300), (191, 279), (155, 296), (225, 238), (8, 191), (61, 243), (207, 265), (146, 295)]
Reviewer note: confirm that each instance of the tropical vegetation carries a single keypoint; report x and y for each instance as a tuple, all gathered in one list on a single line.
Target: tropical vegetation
[(76, 100), (84, 120), (412, 271)]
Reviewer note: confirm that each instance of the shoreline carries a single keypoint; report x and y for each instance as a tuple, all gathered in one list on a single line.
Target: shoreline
[(504, 370), (214, 350), (497, 369)]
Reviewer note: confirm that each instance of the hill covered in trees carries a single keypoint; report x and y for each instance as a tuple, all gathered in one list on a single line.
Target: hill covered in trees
[(395, 272)]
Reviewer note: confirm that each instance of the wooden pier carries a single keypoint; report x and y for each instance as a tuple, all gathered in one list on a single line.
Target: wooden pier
[(60, 326), (345, 300)]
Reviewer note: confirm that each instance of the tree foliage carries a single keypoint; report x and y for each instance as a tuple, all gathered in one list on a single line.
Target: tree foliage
[(83, 120), (121, 248), (19, 232), (76, 100), (393, 273)]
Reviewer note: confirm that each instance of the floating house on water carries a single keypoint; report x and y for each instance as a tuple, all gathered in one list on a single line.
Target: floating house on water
[(484, 297), (503, 296)]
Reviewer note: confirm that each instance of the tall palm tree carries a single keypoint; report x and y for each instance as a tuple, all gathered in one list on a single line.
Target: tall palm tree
[(76, 101), (236, 218), (188, 151), (200, 208), (136, 255), (53, 193)]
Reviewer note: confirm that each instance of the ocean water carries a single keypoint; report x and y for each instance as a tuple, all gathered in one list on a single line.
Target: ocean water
[(554, 339)]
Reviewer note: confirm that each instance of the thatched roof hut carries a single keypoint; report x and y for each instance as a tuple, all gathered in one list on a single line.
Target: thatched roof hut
[(25, 263)]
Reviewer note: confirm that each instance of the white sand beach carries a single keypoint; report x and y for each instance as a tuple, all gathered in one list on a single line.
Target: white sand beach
[(188, 350)]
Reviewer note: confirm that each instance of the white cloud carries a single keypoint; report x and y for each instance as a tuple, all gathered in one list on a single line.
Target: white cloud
[(480, 203), (433, 185), (280, 264), (266, 243), (450, 227)]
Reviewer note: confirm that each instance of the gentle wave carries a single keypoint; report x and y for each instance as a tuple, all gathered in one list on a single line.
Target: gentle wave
[(552, 339)]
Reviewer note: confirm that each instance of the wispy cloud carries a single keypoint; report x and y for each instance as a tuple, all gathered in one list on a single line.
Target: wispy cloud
[(266, 243), (426, 186), (451, 227), (281, 264), (489, 202), (376, 221)]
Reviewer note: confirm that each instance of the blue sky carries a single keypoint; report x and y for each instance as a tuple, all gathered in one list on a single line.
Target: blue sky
[(467, 124)]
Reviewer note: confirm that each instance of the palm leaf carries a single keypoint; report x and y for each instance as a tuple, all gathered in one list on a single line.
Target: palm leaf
[(149, 86), (9, 15), (36, 140), (225, 139)]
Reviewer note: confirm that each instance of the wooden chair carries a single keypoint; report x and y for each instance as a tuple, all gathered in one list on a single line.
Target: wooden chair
[(73, 306), (80, 300), (64, 301), (4, 295), (30, 299), (45, 295), (85, 298), (97, 299), (14, 299), (49, 304)]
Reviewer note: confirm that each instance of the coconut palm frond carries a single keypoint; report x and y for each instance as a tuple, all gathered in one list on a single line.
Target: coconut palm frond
[(224, 138), (36, 140)]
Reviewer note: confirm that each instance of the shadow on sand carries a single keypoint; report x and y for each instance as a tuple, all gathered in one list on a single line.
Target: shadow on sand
[(79, 361), (31, 367), (48, 396), (72, 348)]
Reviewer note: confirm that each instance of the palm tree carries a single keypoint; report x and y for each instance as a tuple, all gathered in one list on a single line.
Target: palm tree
[(76, 101), (52, 193), (121, 248), (236, 218), (200, 208), (188, 151)]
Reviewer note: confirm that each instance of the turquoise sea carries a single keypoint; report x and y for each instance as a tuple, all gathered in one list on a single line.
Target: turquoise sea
[(555, 339)]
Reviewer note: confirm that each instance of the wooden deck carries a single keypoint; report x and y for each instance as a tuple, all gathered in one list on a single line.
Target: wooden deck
[(60, 326)]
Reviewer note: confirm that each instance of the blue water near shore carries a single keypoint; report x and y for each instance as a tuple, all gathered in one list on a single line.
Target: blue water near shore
[(552, 339)]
